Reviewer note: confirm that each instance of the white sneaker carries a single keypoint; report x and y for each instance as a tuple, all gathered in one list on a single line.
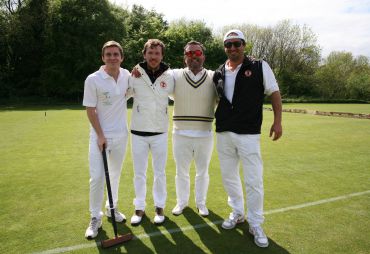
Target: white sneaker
[(203, 211), (159, 216), (232, 221), (177, 210), (92, 230), (137, 217), (119, 217), (260, 239)]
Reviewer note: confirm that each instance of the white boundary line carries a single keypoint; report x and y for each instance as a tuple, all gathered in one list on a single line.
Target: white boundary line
[(210, 224)]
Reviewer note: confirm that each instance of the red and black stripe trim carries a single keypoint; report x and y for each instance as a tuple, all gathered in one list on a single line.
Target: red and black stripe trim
[(193, 83)]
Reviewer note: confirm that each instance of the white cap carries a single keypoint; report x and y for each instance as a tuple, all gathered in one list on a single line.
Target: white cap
[(234, 34)]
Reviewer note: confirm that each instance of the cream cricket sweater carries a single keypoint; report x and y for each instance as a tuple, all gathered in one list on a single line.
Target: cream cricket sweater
[(194, 101)]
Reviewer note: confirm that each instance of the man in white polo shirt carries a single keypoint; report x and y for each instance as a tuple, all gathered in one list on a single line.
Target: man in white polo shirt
[(242, 84), (104, 98)]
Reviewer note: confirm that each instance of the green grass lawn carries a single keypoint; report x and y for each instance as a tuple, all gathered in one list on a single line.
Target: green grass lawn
[(44, 183)]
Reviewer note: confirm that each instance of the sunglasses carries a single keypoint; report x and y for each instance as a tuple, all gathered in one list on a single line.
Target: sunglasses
[(191, 53), (236, 44)]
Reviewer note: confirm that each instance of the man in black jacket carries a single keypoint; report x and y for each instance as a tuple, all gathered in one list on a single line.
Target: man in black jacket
[(242, 83)]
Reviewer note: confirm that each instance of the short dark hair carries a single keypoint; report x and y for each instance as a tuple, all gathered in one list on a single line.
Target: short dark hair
[(151, 43), (192, 42), (109, 44)]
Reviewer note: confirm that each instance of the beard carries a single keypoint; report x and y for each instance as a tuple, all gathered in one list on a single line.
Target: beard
[(194, 65), (234, 56), (153, 64)]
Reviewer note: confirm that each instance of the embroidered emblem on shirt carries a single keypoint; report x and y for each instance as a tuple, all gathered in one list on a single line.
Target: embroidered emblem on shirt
[(163, 84), (248, 73), (106, 99)]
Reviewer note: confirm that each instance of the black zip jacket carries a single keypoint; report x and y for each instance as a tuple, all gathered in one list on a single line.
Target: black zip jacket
[(244, 114)]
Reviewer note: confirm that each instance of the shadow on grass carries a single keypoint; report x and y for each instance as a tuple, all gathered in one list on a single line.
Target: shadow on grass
[(219, 240), (174, 242), (216, 239)]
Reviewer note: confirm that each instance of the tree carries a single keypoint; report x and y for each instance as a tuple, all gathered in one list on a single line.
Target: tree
[(291, 51), (333, 75), (215, 55), (343, 76), (76, 32), (24, 38), (4, 87), (48, 47), (179, 33), (358, 83), (141, 25), (11, 6)]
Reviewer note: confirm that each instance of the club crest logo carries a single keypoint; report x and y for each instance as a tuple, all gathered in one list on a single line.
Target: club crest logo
[(163, 84), (248, 73)]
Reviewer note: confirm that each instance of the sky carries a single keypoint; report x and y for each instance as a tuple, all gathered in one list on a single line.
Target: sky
[(340, 25)]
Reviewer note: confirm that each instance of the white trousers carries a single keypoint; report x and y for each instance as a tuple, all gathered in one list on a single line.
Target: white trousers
[(185, 149), (232, 148), (140, 152), (115, 150)]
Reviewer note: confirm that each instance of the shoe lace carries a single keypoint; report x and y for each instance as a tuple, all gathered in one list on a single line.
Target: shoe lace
[(116, 213), (235, 218), (258, 232), (93, 223)]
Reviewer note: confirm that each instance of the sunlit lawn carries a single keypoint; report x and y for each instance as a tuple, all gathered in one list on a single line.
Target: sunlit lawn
[(44, 188)]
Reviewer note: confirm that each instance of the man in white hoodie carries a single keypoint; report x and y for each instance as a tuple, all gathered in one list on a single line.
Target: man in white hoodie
[(149, 127)]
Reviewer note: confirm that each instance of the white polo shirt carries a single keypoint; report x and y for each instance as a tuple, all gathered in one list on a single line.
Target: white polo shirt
[(108, 97)]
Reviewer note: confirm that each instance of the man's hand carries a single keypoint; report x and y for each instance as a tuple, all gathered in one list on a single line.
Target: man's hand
[(101, 142), (276, 131), (135, 73)]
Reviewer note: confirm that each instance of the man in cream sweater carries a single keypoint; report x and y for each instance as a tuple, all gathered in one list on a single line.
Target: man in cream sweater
[(195, 100)]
